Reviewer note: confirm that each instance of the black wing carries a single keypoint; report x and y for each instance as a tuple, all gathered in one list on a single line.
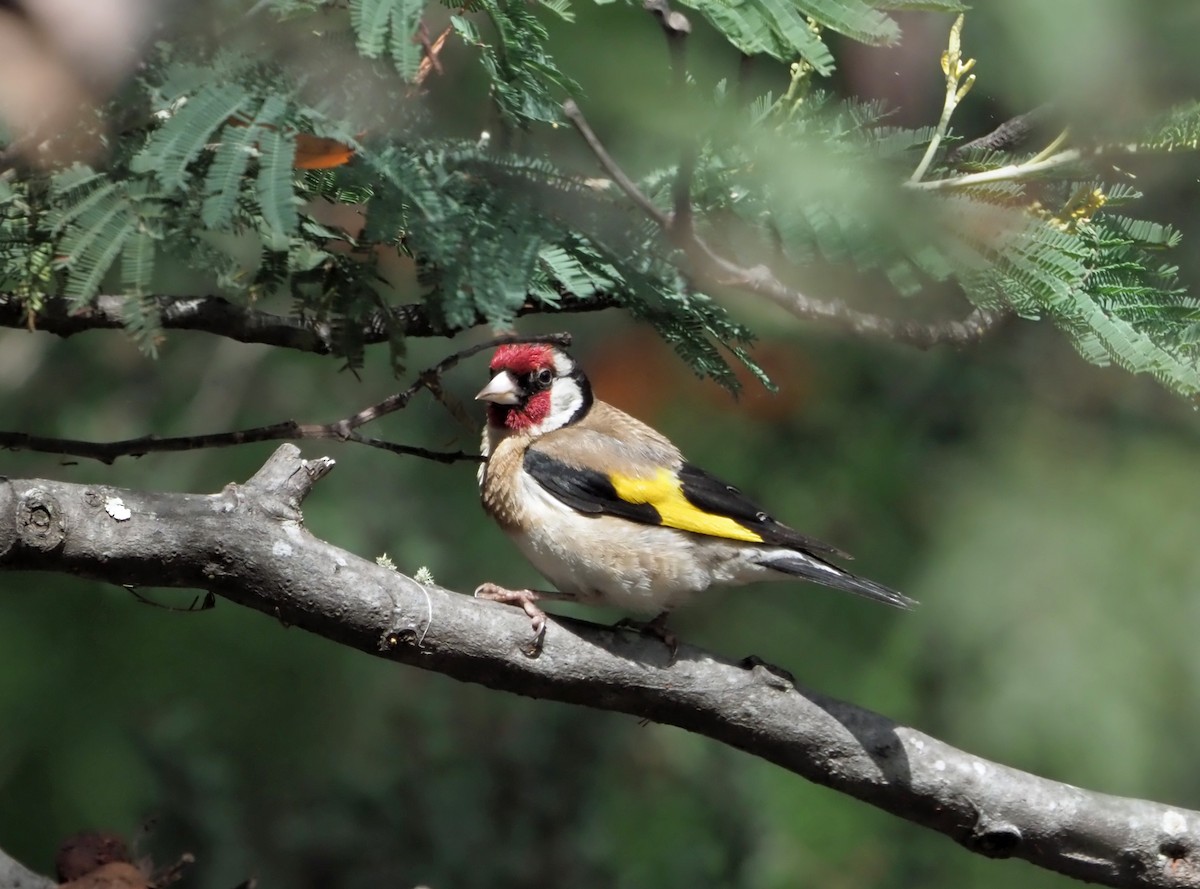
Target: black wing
[(707, 492), (592, 492), (585, 490)]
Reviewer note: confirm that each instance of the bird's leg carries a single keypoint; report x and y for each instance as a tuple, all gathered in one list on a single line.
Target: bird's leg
[(526, 600), (656, 627)]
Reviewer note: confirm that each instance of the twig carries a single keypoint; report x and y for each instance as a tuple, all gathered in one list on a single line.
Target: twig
[(1022, 170), (967, 331), (682, 217), (414, 451), (430, 52), (199, 603), (1006, 136), (288, 430), (1049, 151), (955, 70), (627, 185), (217, 315), (713, 270), (676, 28)]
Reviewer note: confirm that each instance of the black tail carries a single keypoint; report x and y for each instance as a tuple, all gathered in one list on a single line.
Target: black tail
[(802, 565)]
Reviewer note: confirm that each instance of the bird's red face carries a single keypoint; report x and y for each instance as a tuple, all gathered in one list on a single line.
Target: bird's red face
[(534, 387)]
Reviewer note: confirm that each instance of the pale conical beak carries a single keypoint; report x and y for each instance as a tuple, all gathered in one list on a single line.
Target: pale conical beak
[(502, 389)]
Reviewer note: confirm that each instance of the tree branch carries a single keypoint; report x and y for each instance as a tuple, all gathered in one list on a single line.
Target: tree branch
[(676, 28), (959, 81), (1006, 136), (612, 168), (712, 270), (248, 544), (219, 316), (345, 429), (14, 875), (1024, 170)]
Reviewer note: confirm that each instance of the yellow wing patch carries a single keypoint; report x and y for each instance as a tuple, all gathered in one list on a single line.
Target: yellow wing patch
[(664, 493)]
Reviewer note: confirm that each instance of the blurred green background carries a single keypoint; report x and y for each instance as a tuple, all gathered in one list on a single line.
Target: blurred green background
[(1043, 511)]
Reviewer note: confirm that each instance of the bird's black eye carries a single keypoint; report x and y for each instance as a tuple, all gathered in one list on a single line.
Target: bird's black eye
[(544, 377)]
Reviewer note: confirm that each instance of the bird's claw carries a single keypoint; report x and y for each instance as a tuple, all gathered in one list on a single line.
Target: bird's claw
[(537, 620), (657, 627), (526, 599)]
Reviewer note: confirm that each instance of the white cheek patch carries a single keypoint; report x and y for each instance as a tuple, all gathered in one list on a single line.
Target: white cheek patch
[(565, 400), (564, 366)]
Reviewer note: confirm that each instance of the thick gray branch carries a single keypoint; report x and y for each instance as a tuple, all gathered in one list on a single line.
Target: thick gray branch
[(14, 875), (248, 544)]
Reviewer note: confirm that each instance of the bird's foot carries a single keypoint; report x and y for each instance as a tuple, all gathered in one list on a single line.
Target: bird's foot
[(527, 601), (657, 627)]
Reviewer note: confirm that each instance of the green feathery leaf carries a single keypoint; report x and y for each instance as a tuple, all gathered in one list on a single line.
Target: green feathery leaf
[(276, 195), (185, 133)]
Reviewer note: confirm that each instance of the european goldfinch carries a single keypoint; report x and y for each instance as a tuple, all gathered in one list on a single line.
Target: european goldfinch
[(608, 510)]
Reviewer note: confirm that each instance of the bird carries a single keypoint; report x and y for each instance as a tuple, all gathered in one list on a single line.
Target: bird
[(611, 513)]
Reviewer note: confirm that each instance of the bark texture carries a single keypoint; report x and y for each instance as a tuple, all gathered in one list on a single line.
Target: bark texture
[(14, 875), (248, 544)]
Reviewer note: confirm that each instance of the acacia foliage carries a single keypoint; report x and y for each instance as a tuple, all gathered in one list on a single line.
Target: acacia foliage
[(206, 170)]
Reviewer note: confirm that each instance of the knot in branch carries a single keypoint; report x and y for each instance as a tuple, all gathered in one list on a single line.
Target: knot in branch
[(993, 837), (41, 524)]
